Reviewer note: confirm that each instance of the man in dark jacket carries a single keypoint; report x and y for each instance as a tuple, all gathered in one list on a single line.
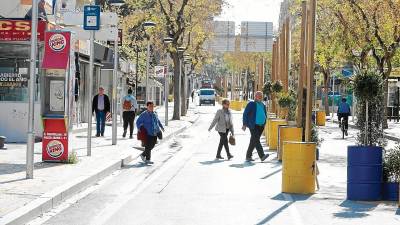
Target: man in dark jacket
[(100, 105), (255, 117)]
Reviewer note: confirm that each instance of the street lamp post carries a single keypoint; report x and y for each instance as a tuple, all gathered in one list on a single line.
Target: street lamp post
[(167, 41), (148, 24), (115, 3), (32, 80)]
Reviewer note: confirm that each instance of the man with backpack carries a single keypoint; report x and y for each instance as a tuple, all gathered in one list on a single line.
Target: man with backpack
[(129, 106)]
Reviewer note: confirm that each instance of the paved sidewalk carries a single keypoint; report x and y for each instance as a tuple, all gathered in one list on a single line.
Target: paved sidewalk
[(54, 182)]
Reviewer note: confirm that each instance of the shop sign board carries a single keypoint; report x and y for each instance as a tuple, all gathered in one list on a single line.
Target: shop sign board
[(55, 140), (57, 50), (13, 80), (19, 30)]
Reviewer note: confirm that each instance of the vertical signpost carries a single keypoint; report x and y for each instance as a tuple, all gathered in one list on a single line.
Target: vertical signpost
[(32, 80), (91, 21)]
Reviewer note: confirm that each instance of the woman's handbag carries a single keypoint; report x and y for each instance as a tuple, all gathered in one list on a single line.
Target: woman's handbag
[(232, 140)]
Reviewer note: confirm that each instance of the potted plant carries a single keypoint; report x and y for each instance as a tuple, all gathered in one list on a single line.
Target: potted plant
[(365, 161), (267, 89), (391, 174), (277, 87), (287, 103)]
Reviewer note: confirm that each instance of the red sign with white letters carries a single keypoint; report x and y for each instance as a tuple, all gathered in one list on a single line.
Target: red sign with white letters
[(57, 50), (20, 30), (55, 140)]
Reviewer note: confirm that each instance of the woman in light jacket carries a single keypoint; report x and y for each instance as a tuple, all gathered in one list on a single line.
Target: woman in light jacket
[(223, 121)]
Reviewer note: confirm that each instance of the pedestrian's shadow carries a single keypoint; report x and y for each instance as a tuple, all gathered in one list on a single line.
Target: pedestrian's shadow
[(211, 162), (351, 209), (137, 165), (398, 212), (242, 165)]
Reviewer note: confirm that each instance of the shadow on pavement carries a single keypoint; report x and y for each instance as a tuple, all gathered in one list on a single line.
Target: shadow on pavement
[(137, 165), (271, 174), (274, 213), (12, 181), (351, 209), (294, 197), (333, 160), (211, 162), (7, 168), (398, 212), (242, 165)]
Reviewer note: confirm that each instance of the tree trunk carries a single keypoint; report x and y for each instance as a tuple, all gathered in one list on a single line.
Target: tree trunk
[(385, 100), (326, 91), (183, 92), (177, 100)]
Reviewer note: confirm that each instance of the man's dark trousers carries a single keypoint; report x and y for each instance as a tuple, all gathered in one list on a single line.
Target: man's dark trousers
[(100, 122), (149, 145), (255, 142), (129, 118)]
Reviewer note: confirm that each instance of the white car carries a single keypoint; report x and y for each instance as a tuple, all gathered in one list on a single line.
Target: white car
[(206, 96)]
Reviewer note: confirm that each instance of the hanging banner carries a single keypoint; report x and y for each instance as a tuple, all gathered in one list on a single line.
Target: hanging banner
[(57, 50)]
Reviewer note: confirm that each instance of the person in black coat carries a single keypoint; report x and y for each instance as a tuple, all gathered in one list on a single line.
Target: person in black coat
[(101, 105)]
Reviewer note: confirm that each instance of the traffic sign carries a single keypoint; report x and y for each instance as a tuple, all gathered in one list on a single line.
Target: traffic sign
[(91, 17)]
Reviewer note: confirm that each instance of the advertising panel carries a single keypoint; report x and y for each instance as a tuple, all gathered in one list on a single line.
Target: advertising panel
[(19, 30), (57, 50)]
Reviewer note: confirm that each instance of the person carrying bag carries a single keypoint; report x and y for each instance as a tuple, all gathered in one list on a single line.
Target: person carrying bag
[(224, 124)]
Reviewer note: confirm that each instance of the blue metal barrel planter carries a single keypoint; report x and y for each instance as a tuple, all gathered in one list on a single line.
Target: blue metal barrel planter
[(390, 191), (364, 173)]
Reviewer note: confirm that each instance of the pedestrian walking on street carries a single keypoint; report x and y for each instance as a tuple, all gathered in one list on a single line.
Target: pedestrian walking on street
[(254, 118), (223, 125), (153, 127), (129, 107), (192, 95), (101, 105)]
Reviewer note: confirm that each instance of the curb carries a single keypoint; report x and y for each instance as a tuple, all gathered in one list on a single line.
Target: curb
[(50, 200), (388, 136)]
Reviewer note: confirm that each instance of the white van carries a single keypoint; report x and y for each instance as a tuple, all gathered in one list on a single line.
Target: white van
[(206, 96)]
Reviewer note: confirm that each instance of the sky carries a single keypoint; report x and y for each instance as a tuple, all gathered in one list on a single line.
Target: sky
[(251, 10)]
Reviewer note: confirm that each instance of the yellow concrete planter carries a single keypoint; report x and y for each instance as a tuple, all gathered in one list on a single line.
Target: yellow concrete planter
[(288, 133), (321, 118), (266, 129), (244, 104), (236, 105), (273, 133), (298, 173)]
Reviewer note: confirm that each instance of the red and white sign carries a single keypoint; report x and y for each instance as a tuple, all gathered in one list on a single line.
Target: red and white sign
[(57, 50), (19, 30), (55, 140), (160, 71)]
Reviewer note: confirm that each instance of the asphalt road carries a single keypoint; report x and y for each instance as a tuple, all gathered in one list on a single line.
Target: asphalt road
[(187, 186)]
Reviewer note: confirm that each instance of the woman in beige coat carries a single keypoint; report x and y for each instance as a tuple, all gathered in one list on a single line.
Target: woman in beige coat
[(223, 124)]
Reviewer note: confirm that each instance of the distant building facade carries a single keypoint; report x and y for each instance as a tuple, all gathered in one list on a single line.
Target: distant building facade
[(256, 36), (224, 37)]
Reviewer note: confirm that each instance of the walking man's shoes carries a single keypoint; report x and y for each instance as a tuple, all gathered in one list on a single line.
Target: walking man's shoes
[(230, 157), (264, 157), (131, 137), (124, 135), (219, 157), (143, 158), (249, 160), (97, 135)]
